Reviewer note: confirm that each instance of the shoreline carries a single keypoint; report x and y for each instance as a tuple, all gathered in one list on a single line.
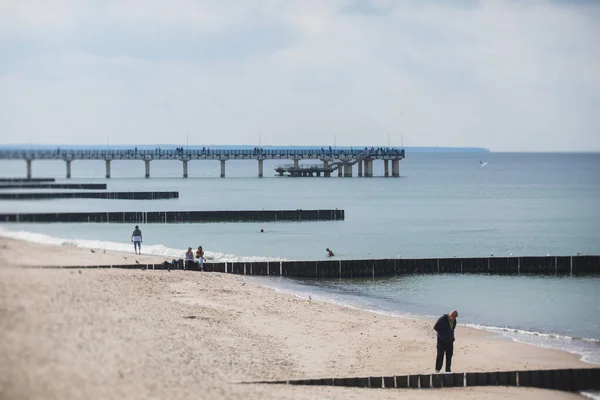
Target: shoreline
[(101, 333), (112, 257), (124, 248), (502, 332)]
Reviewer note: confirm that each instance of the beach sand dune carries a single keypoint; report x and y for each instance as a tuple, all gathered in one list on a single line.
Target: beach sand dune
[(133, 334)]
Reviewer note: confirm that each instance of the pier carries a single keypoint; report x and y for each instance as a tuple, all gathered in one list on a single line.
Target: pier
[(341, 160), (169, 217)]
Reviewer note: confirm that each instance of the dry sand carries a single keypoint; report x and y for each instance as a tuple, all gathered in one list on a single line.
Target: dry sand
[(134, 334)]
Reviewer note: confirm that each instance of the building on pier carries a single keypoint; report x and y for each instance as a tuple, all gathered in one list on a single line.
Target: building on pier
[(341, 160)]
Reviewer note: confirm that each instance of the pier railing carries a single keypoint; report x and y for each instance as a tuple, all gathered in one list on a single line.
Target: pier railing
[(74, 154)]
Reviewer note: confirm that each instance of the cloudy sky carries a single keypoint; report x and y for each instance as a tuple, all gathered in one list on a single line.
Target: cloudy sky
[(502, 74)]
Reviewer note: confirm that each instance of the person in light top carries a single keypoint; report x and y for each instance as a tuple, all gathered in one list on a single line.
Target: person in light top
[(189, 255), (200, 257), (136, 238)]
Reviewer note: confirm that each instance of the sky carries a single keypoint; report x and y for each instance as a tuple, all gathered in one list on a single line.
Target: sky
[(506, 75)]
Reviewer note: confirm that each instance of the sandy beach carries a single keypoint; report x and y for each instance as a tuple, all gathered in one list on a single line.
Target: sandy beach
[(136, 334)]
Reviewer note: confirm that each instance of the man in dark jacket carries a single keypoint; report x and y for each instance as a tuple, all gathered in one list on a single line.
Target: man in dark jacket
[(444, 327)]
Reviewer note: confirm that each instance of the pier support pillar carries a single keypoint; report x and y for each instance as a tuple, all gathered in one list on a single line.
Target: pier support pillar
[(296, 163), (108, 169), (360, 168), (348, 171), (386, 168), (147, 162), (396, 167), (222, 168), (260, 168), (326, 172), (68, 168), (340, 171), (185, 168), (28, 168), (368, 168)]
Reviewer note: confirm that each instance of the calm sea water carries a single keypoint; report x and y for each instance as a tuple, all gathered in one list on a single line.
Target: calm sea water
[(444, 204)]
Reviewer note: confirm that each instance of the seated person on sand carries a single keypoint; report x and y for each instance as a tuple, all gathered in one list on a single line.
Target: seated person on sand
[(329, 252), (189, 256), (200, 257)]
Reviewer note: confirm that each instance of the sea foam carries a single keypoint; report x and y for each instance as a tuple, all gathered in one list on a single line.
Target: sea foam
[(152, 250)]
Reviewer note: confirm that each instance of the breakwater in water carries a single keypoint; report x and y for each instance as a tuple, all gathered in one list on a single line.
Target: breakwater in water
[(347, 269), (90, 195), (559, 265), (27, 185), (180, 216), (27, 180)]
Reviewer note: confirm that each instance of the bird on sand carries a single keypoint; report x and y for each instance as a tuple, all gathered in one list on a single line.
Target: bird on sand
[(92, 250), (137, 262), (243, 281)]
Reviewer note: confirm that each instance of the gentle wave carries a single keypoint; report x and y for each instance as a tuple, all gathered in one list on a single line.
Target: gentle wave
[(588, 349), (595, 395), (154, 250), (497, 329)]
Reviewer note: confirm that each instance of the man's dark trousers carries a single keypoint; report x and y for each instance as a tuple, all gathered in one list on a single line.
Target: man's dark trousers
[(444, 347)]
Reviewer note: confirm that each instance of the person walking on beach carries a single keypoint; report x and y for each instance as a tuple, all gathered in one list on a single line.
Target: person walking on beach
[(136, 238), (444, 327)]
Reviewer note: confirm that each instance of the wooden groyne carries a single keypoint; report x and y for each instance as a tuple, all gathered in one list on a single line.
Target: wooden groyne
[(361, 269), (569, 380), (90, 195), (181, 216), (27, 185), (27, 179), (348, 269)]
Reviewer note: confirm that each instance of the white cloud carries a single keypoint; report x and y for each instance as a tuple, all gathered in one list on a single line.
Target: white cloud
[(509, 76)]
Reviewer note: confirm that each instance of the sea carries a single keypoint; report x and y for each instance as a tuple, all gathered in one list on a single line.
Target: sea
[(444, 204)]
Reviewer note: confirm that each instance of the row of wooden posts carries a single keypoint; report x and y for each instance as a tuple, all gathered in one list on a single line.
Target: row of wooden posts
[(553, 266), (149, 217), (90, 195), (570, 380)]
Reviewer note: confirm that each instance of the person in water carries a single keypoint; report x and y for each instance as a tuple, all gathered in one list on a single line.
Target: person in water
[(329, 252), (136, 238), (444, 327)]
